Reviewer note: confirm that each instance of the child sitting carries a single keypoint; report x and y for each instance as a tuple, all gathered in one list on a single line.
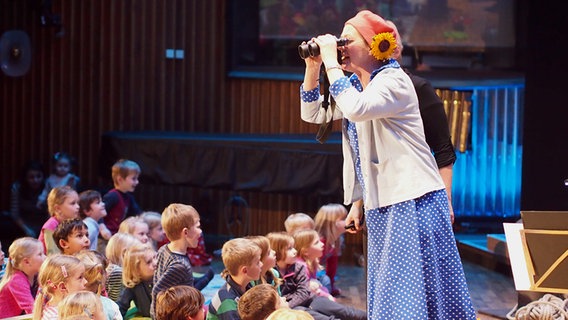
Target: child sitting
[(289, 314), (137, 276), (156, 234), (268, 258), (71, 236), (81, 303), (18, 286), (180, 302), (310, 249), (296, 283), (62, 204), (91, 210), (115, 249), (259, 302), (62, 175), (135, 226), (298, 221), (241, 258), (58, 276)]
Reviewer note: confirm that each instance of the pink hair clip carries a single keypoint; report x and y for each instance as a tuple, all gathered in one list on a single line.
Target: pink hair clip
[(64, 271), (51, 284)]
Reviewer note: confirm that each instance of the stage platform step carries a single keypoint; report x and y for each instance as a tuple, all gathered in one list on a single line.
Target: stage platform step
[(488, 250)]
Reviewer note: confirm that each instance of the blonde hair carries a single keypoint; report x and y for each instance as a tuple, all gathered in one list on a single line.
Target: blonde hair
[(129, 224), (152, 218), (279, 242), (95, 269), (258, 302), (117, 245), (176, 217), (57, 196), (236, 253), (56, 269), (178, 302), (303, 239), (326, 226), (298, 221), (133, 256), (122, 168), (20, 249), (264, 244), (78, 304), (289, 314)]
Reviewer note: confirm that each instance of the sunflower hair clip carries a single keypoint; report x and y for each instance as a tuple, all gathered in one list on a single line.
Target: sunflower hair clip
[(383, 45)]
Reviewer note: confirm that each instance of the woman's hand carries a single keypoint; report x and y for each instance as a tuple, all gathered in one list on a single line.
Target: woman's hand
[(328, 49), (355, 216)]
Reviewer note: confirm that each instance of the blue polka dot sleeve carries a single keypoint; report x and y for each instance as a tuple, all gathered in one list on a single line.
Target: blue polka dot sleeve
[(310, 96), (339, 85)]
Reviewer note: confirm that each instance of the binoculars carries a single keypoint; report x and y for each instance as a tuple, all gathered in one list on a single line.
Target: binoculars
[(311, 49)]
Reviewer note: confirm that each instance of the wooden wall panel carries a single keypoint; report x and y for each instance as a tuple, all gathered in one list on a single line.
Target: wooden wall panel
[(109, 72)]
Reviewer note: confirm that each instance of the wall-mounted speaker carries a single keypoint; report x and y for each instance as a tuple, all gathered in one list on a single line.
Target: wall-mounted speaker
[(15, 53)]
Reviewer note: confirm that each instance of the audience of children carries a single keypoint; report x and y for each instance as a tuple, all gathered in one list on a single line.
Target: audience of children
[(180, 302), (156, 235), (137, 276), (298, 221), (95, 273), (61, 175), (71, 236), (19, 284), (92, 210), (296, 283), (241, 258), (182, 226), (115, 250), (135, 226), (24, 198), (59, 275), (62, 204), (309, 249), (259, 302), (81, 304), (119, 201), (330, 224)]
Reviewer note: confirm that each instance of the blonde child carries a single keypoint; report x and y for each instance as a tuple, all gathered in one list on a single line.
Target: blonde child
[(16, 293), (92, 210), (289, 314), (241, 258), (259, 302), (298, 221), (180, 302), (82, 303), (310, 248), (156, 234), (58, 276), (71, 236), (268, 258), (115, 249), (137, 276), (135, 226), (62, 204), (61, 175), (296, 283), (95, 273), (330, 224), (182, 226)]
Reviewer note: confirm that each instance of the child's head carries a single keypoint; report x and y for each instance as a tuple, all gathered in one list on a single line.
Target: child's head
[(283, 244), (135, 226), (298, 221), (91, 205), (289, 314), (181, 221), (62, 163), (125, 175), (258, 302), (180, 302), (117, 245), (95, 269), (308, 244), (154, 221), (58, 276), (330, 223), (32, 177), (267, 255), (139, 264), (80, 305), (26, 254), (63, 203), (241, 258), (72, 236)]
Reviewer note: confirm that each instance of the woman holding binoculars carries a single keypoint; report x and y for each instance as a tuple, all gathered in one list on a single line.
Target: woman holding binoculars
[(414, 268)]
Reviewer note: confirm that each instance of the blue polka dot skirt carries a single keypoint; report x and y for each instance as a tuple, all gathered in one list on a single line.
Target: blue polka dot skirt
[(414, 268)]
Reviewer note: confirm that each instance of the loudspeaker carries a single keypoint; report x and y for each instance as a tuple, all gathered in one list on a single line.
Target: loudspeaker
[(15, 53)]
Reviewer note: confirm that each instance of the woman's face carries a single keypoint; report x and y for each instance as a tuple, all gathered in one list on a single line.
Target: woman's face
[(34, 179), (356, 54)]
